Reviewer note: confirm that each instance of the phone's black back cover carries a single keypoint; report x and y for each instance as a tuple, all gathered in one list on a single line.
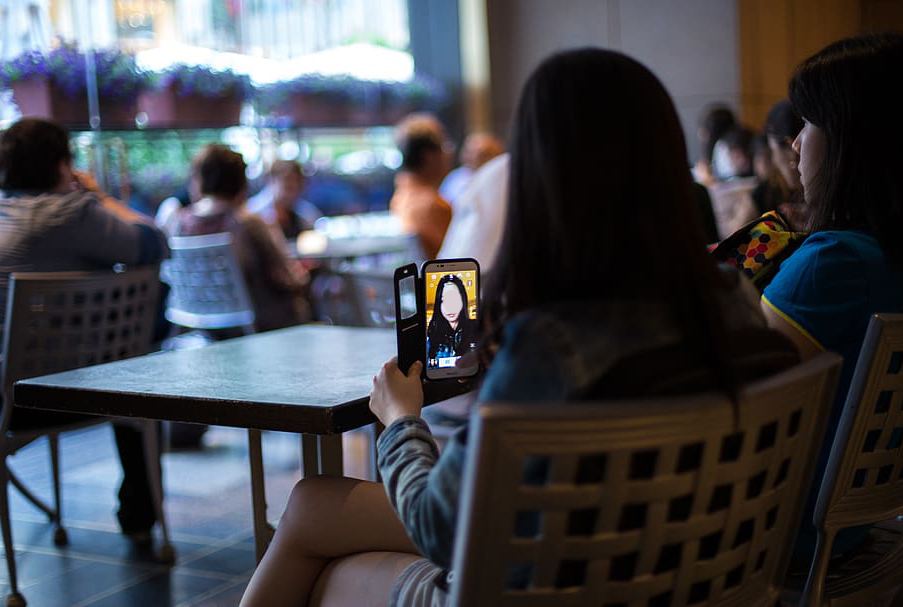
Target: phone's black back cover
[(410, 332)]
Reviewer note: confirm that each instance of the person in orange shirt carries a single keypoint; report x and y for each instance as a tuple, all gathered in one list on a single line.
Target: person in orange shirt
[(425, 163)]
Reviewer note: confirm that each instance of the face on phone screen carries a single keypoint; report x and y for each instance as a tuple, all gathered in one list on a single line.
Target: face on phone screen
[(451, 317)]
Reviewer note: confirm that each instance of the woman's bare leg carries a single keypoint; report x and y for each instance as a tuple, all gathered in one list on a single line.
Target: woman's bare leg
[(325, 519), (362, 580)]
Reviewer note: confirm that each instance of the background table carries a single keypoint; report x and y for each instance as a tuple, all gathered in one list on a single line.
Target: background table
[(309, 379)]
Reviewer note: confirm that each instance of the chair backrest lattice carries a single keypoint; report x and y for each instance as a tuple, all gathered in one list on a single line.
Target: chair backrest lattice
[(208, 288), (864, 477), (664, 502), (56, 321)]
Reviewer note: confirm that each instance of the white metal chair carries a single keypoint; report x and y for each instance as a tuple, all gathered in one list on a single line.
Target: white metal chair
[(668, 501), (56, 321), (208, 289), (863, 482), (209, 292)]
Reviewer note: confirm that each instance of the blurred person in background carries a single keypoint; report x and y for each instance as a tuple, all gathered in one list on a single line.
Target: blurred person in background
[(280, 203), (478, 149), (479, 218), (416, 202), (769, 192), (219, 188), (733, 181), (54, 219), (782, 126), (715, 122)]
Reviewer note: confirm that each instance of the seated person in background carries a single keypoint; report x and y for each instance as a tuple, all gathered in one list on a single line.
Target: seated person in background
[(478, 149), (851, 266), (168, 212), (479, 218), (717, 120), (565, 306), (425, 162), (280, 203), (770, 191), (733, 184), (54, 220), (782, 126), (219, 187)]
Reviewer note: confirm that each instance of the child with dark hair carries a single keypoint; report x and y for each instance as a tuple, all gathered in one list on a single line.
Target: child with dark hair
[(450, 331), (851, 266)]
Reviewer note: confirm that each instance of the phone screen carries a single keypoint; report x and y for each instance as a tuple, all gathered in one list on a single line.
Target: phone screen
[(451, 298)]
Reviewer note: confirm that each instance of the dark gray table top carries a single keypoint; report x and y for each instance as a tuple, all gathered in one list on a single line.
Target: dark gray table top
[(305, 379), (313, 379)]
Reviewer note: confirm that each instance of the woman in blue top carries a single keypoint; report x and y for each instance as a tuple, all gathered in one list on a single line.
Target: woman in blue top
[(591, 272), (851, 167)]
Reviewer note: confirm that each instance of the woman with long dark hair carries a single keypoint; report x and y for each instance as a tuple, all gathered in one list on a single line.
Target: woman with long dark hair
[(851, 168), (591, 272), (450, 331)]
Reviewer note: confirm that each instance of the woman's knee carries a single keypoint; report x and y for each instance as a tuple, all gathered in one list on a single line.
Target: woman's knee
[(316, 505)]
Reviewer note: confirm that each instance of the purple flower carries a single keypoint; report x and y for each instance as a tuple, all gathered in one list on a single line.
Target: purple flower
[(188, 80), (420, 93), (118, 76)]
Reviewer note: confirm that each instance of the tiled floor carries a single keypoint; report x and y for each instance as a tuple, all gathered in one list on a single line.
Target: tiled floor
[(208, 506)]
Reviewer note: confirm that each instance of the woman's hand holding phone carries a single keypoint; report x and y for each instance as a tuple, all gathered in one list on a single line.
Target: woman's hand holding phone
[(395, 394)]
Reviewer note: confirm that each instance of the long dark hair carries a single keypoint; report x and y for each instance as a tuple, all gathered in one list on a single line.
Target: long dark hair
[(852, 91), (439, 325), (601, 203)]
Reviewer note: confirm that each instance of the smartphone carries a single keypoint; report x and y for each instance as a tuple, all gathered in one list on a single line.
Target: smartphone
[(409, 328), (451, 290)]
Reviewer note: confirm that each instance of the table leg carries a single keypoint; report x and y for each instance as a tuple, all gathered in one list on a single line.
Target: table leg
[(263, 531), (330, 451), (310, 464)]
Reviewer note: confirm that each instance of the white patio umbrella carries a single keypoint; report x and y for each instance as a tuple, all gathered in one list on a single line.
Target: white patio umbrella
[(361, 60)]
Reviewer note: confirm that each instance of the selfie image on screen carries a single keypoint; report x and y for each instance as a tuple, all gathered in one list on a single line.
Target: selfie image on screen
[(451, 317)]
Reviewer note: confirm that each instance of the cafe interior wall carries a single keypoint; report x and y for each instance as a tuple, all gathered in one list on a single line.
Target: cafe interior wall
[(737, 52), (690, 45), (776, 35)]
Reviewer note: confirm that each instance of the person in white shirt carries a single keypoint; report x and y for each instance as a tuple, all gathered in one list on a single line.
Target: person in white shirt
[(478, 149), (478, 222)]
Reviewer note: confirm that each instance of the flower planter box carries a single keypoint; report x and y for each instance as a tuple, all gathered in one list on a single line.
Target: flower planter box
[(309, 110), (39, 97), (164, 108), (392, 114)]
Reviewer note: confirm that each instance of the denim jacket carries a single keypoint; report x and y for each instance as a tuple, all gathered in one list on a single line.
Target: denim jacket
[(547, 355)]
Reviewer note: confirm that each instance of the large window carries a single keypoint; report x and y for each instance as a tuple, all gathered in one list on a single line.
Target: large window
[(349, 169)]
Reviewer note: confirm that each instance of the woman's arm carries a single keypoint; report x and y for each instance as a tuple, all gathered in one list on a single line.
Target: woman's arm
[(422, 487)]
